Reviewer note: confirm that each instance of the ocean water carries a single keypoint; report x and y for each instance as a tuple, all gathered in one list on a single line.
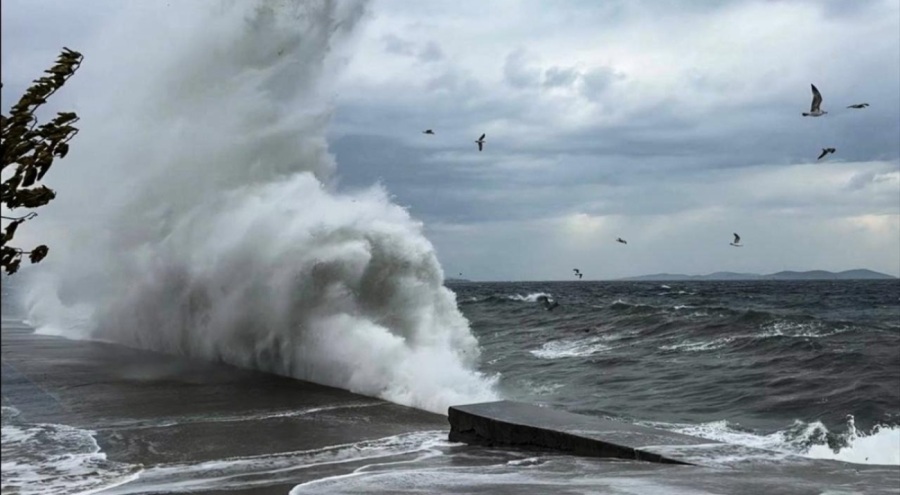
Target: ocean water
[(807, 367)]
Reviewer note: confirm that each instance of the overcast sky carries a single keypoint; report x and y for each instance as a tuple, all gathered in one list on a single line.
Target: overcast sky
[(669, 124)]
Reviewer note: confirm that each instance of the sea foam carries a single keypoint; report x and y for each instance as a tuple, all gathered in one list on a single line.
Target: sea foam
[(881, 445), (197, 214)]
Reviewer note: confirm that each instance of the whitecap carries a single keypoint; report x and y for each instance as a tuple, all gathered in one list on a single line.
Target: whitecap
[(571, 348), (698, 346), (50, 459), (879, 446), (813, 329), (533, 297)]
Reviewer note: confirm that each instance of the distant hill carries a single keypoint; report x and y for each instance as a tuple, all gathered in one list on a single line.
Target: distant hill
[(859, 274), (456, 280)]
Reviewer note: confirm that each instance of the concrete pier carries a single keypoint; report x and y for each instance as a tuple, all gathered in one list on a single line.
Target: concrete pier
[(519, 424)]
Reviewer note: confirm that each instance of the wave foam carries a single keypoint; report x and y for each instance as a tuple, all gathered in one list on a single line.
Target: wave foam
[(710, 345), (224, 238), (813, 329), (530, 297), (571, 348), (51, 459), (256, 472), (880, 446)]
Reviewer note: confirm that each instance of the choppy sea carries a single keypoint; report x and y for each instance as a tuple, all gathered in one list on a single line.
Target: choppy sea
[(809, 367)]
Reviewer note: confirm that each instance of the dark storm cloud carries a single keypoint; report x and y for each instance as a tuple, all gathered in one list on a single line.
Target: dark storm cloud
[(649, 116)]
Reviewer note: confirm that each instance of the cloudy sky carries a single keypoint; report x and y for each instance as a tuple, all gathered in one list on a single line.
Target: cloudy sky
[(669, 124)]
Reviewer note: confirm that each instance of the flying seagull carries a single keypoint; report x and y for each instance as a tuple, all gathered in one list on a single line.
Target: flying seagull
[(480, 142), (623, 241), (737, 241), (825, 151), (814, 110), (546, 302), (859, 105), (428, 131)]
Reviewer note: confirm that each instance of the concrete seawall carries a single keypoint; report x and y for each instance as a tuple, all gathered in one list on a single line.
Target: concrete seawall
[(519, 424)]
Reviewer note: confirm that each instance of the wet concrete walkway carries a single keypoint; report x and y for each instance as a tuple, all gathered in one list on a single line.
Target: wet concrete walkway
[(149, 408)]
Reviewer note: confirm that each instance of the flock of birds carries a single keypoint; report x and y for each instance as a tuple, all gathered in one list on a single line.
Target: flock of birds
[(815, 110), (479, 141)]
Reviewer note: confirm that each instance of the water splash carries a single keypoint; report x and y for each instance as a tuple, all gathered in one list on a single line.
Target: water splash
[(813, 440), (880, 446), (215, 231)]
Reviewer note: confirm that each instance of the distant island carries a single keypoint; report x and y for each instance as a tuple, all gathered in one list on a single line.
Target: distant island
[(456, 280), (859, 274)]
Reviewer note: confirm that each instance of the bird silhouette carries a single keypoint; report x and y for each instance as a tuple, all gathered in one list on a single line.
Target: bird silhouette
[(826, 151), (480, 142)]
